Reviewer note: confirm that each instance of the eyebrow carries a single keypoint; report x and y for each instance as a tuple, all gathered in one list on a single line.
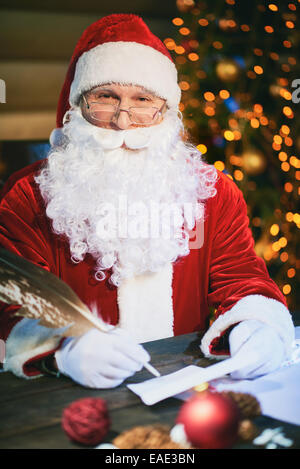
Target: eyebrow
[(141, 91)]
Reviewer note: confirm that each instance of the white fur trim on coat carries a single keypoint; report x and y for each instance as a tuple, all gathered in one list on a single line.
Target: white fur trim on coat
[(146, 307), (126, 63), (27, 340), (259, 307)]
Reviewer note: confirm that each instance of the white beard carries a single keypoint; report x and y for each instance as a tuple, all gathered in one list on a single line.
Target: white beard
[(89, 180)]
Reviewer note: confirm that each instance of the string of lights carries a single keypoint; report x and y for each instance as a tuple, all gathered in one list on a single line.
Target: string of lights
[(237, 61)]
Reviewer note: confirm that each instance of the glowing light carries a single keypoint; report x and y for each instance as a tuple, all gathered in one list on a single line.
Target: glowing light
[(291, 273), (201, 74), (209, 96), (285, 129), (282, 156), (193, 56), (289, 216), (217, 45), (193, 43), (284, 256), (269, 29), (276, 147), (194, 102), (287, 111), (258, 108), (289, 24), (229, 135), (287, 289), (273, 7), (286, 94), (179, 50), (274, 230), (184, 85), (251, 74), (288, 141), (277, 139), (245, 27), (203, 22), (264, 120), (258, 69), (202, 148), (285, 166), (282, 242), (170, 43), (276, 246), (219, 165), (288, 187), (254, 123), (258, 52), (256, 221), (209, 111), (238, 175), (296, 218), (287, 44), (224, 94), (236, 160), (184, 31), (177, 21)]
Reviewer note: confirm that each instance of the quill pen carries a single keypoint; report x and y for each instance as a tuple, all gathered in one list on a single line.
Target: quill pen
[(45, 297)]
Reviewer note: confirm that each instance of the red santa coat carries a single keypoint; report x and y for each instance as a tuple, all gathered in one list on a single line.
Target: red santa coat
[(224, 275)]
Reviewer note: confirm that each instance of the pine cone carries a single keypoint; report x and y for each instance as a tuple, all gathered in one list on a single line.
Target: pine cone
[(146, 437), (247, 430), (248, 404)]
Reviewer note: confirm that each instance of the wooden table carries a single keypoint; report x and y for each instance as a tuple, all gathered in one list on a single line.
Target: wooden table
[(30, 412)]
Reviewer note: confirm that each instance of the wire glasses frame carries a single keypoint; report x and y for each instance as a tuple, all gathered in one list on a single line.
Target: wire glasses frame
[(103, 112)]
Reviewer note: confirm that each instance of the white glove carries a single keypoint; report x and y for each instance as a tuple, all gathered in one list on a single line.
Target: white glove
[(254, 338), (101, 359)]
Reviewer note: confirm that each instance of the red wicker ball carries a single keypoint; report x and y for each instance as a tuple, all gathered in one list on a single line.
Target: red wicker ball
[(86, 421)]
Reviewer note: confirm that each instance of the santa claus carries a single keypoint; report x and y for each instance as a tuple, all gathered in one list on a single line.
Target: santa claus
[(110, 210)]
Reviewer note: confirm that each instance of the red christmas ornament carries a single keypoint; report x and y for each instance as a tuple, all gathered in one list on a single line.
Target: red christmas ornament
[(211, 420), (86, 421)]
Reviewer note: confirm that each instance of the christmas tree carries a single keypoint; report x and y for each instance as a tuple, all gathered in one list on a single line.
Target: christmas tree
[(238, 73)]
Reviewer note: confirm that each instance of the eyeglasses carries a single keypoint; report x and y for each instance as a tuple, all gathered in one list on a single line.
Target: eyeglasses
[(104, 112)]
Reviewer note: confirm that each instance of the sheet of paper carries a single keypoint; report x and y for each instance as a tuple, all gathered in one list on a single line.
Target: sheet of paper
[(157, 389), (278, 392)]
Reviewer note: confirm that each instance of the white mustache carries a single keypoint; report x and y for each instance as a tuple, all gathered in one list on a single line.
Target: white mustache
[(110, 139), (134, 139)]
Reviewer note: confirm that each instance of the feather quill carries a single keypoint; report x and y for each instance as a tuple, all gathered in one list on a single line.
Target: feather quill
[(44, 296)]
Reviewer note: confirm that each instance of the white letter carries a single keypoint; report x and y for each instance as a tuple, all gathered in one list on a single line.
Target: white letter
[(295, 94)]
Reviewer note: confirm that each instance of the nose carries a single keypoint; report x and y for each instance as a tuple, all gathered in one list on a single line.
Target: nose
[(122, 119)]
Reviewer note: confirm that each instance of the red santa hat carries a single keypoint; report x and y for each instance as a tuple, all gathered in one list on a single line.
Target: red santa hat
[(118, 48)]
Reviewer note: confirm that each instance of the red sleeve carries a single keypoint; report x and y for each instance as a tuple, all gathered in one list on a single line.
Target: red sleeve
[(235, 268), (239, 282)]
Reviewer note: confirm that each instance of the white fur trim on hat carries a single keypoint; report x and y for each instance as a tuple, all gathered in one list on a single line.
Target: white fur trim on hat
[(145, 305), (259, 307), (126, 63)]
